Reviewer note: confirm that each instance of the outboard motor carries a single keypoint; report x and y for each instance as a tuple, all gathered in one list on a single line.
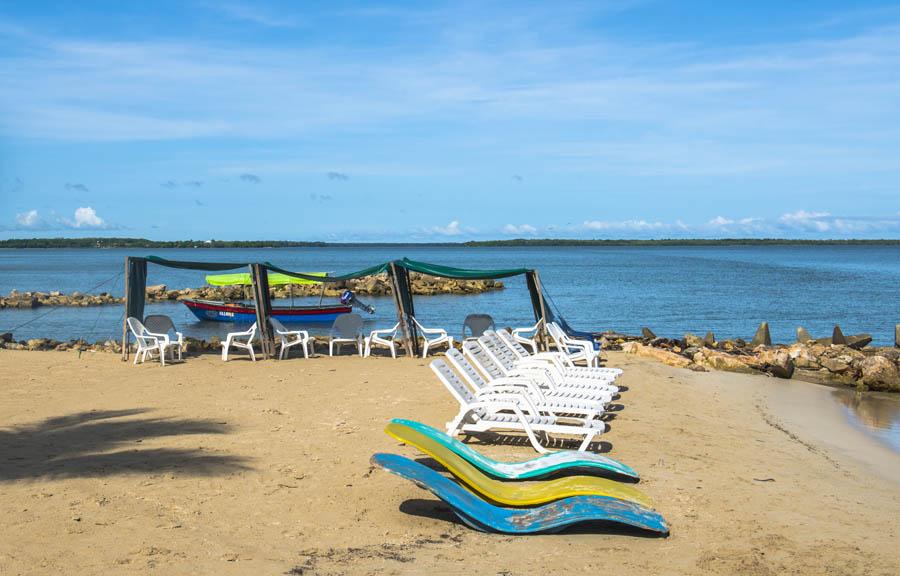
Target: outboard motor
[(348, 297)]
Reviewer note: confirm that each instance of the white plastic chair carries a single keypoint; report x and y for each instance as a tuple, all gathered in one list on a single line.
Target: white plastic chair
[(433, 337), (347, 329), (509, 412), (528, 336), (386, 337), (240, 340), (290, 338), (147, 344), (576, 350), (160, 326)]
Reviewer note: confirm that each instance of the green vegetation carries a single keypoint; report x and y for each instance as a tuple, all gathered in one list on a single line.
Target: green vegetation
[(144, 243)]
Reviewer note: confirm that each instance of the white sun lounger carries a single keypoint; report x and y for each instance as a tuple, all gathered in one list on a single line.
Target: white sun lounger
[(562, 363), (576, 350), (509, 412)]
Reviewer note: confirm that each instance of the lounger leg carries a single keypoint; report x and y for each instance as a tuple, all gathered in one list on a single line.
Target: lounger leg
[(588, 438)]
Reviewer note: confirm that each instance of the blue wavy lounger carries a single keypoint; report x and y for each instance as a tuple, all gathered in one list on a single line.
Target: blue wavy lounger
[(547, 518), (564, 461)]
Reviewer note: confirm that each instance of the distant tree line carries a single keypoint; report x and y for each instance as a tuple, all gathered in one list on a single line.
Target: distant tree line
[(144, 243)]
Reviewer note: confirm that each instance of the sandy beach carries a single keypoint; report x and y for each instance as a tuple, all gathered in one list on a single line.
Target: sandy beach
[(205, 467)]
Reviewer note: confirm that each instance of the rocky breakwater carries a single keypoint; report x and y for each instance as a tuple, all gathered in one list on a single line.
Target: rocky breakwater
[(421, 284), (846, 360)]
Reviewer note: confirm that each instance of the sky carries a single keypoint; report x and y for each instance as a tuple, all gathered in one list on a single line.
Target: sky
[(432, 121)]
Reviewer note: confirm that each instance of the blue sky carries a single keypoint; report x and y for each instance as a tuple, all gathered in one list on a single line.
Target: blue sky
[(417, 121)]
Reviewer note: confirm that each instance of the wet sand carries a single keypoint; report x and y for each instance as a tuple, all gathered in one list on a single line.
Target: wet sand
[(242, 468)]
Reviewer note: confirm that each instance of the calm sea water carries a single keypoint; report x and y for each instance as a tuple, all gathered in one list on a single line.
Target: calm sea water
[(728, 290)]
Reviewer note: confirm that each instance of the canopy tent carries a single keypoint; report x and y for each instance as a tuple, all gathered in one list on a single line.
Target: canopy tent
[(275, 279), (263, 275)]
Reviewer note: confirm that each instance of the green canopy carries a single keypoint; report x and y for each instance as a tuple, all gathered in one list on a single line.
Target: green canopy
[(243, 279), (183, 265), (458, 273), (371, 271)]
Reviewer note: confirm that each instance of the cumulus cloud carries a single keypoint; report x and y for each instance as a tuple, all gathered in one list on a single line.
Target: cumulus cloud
[(28, 219), (626, 225), (720, 221), (77, 187), (451, 229), (340, 176), (86, 217), (251, 178), (520, 229), (803, 220)]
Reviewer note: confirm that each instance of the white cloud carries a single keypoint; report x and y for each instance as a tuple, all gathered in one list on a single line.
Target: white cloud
[(632, 225), (451, 229), (720, 221), (256, 15), (28, 219), (520, 229), (803, 220), (86, 217)]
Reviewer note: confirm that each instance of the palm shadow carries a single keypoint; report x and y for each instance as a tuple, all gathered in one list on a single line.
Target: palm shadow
[(105, 443)]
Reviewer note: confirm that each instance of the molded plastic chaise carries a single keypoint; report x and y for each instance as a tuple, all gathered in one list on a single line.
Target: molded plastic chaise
[(535, 468), (552, 517), (240, 340), (576, 350), (290, 338), (588, 405), (522, 493), (513, 411), (561, 361)]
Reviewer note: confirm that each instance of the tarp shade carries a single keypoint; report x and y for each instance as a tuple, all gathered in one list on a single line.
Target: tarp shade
[(275, 279), (137, 288), (183, 265), (371, 271), (458, 273)]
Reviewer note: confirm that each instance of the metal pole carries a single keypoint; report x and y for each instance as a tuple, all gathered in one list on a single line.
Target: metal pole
[(125, 316)]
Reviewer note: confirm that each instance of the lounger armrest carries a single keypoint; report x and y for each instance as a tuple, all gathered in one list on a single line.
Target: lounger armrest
[(164, 337), (530, 329), (506, 383)]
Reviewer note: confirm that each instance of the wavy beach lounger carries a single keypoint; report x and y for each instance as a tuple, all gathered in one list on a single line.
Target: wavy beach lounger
[(553, 517), (522, 493), (567, 461)]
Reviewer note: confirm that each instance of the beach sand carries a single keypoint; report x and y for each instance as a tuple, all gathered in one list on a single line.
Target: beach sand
[(240, 468)]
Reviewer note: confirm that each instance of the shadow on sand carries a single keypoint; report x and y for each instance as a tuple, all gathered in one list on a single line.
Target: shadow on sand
[(105, 443)]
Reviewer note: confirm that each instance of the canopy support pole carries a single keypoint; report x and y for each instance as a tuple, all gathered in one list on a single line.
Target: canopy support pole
[(125, 316), (402, 315), (538, 305), (260, 277)]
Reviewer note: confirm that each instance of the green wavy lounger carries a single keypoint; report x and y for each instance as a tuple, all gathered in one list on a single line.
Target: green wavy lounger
[(551, 517), (567, 461), (517, 493)]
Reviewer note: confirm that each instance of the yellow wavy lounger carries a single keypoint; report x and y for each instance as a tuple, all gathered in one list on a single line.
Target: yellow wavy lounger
[(516, 493)]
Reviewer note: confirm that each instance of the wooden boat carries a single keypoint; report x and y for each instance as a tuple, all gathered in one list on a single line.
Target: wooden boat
[(218, 311)]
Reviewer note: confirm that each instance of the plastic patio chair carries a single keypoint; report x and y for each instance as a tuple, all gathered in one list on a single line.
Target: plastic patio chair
[(290, 338), (240, 340), (347, 329), (160, 326), (147, 343), (477, 324), (386, 337)]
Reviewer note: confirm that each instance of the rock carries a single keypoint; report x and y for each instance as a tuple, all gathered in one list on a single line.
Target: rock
[(649, 335), (720, 361), (859, 341), (762, 336), (879, 373), (806, 357), (897, 335), (775, 361), (156, 291), (803, 335), (659, 354), (834, 365), (692, 341), (710, 339), (6, 337), (837, 336)]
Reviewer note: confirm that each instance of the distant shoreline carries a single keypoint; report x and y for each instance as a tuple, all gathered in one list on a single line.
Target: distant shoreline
[(100, 243)]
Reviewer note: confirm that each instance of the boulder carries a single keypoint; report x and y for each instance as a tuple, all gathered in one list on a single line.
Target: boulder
[(710, 339), (835, 365), (692, 341), (762, 336), (649, 335), (659, 354), (859, 341), (879, 373), (721, 361), (897, 335), (6, 337), (837, 336), (805, 357), (156, 291), (775, 361)]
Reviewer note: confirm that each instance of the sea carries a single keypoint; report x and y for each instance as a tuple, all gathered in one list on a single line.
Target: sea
[(727, 290)]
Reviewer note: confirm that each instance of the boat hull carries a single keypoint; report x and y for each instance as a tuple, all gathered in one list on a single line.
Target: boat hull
[(243, 314)]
